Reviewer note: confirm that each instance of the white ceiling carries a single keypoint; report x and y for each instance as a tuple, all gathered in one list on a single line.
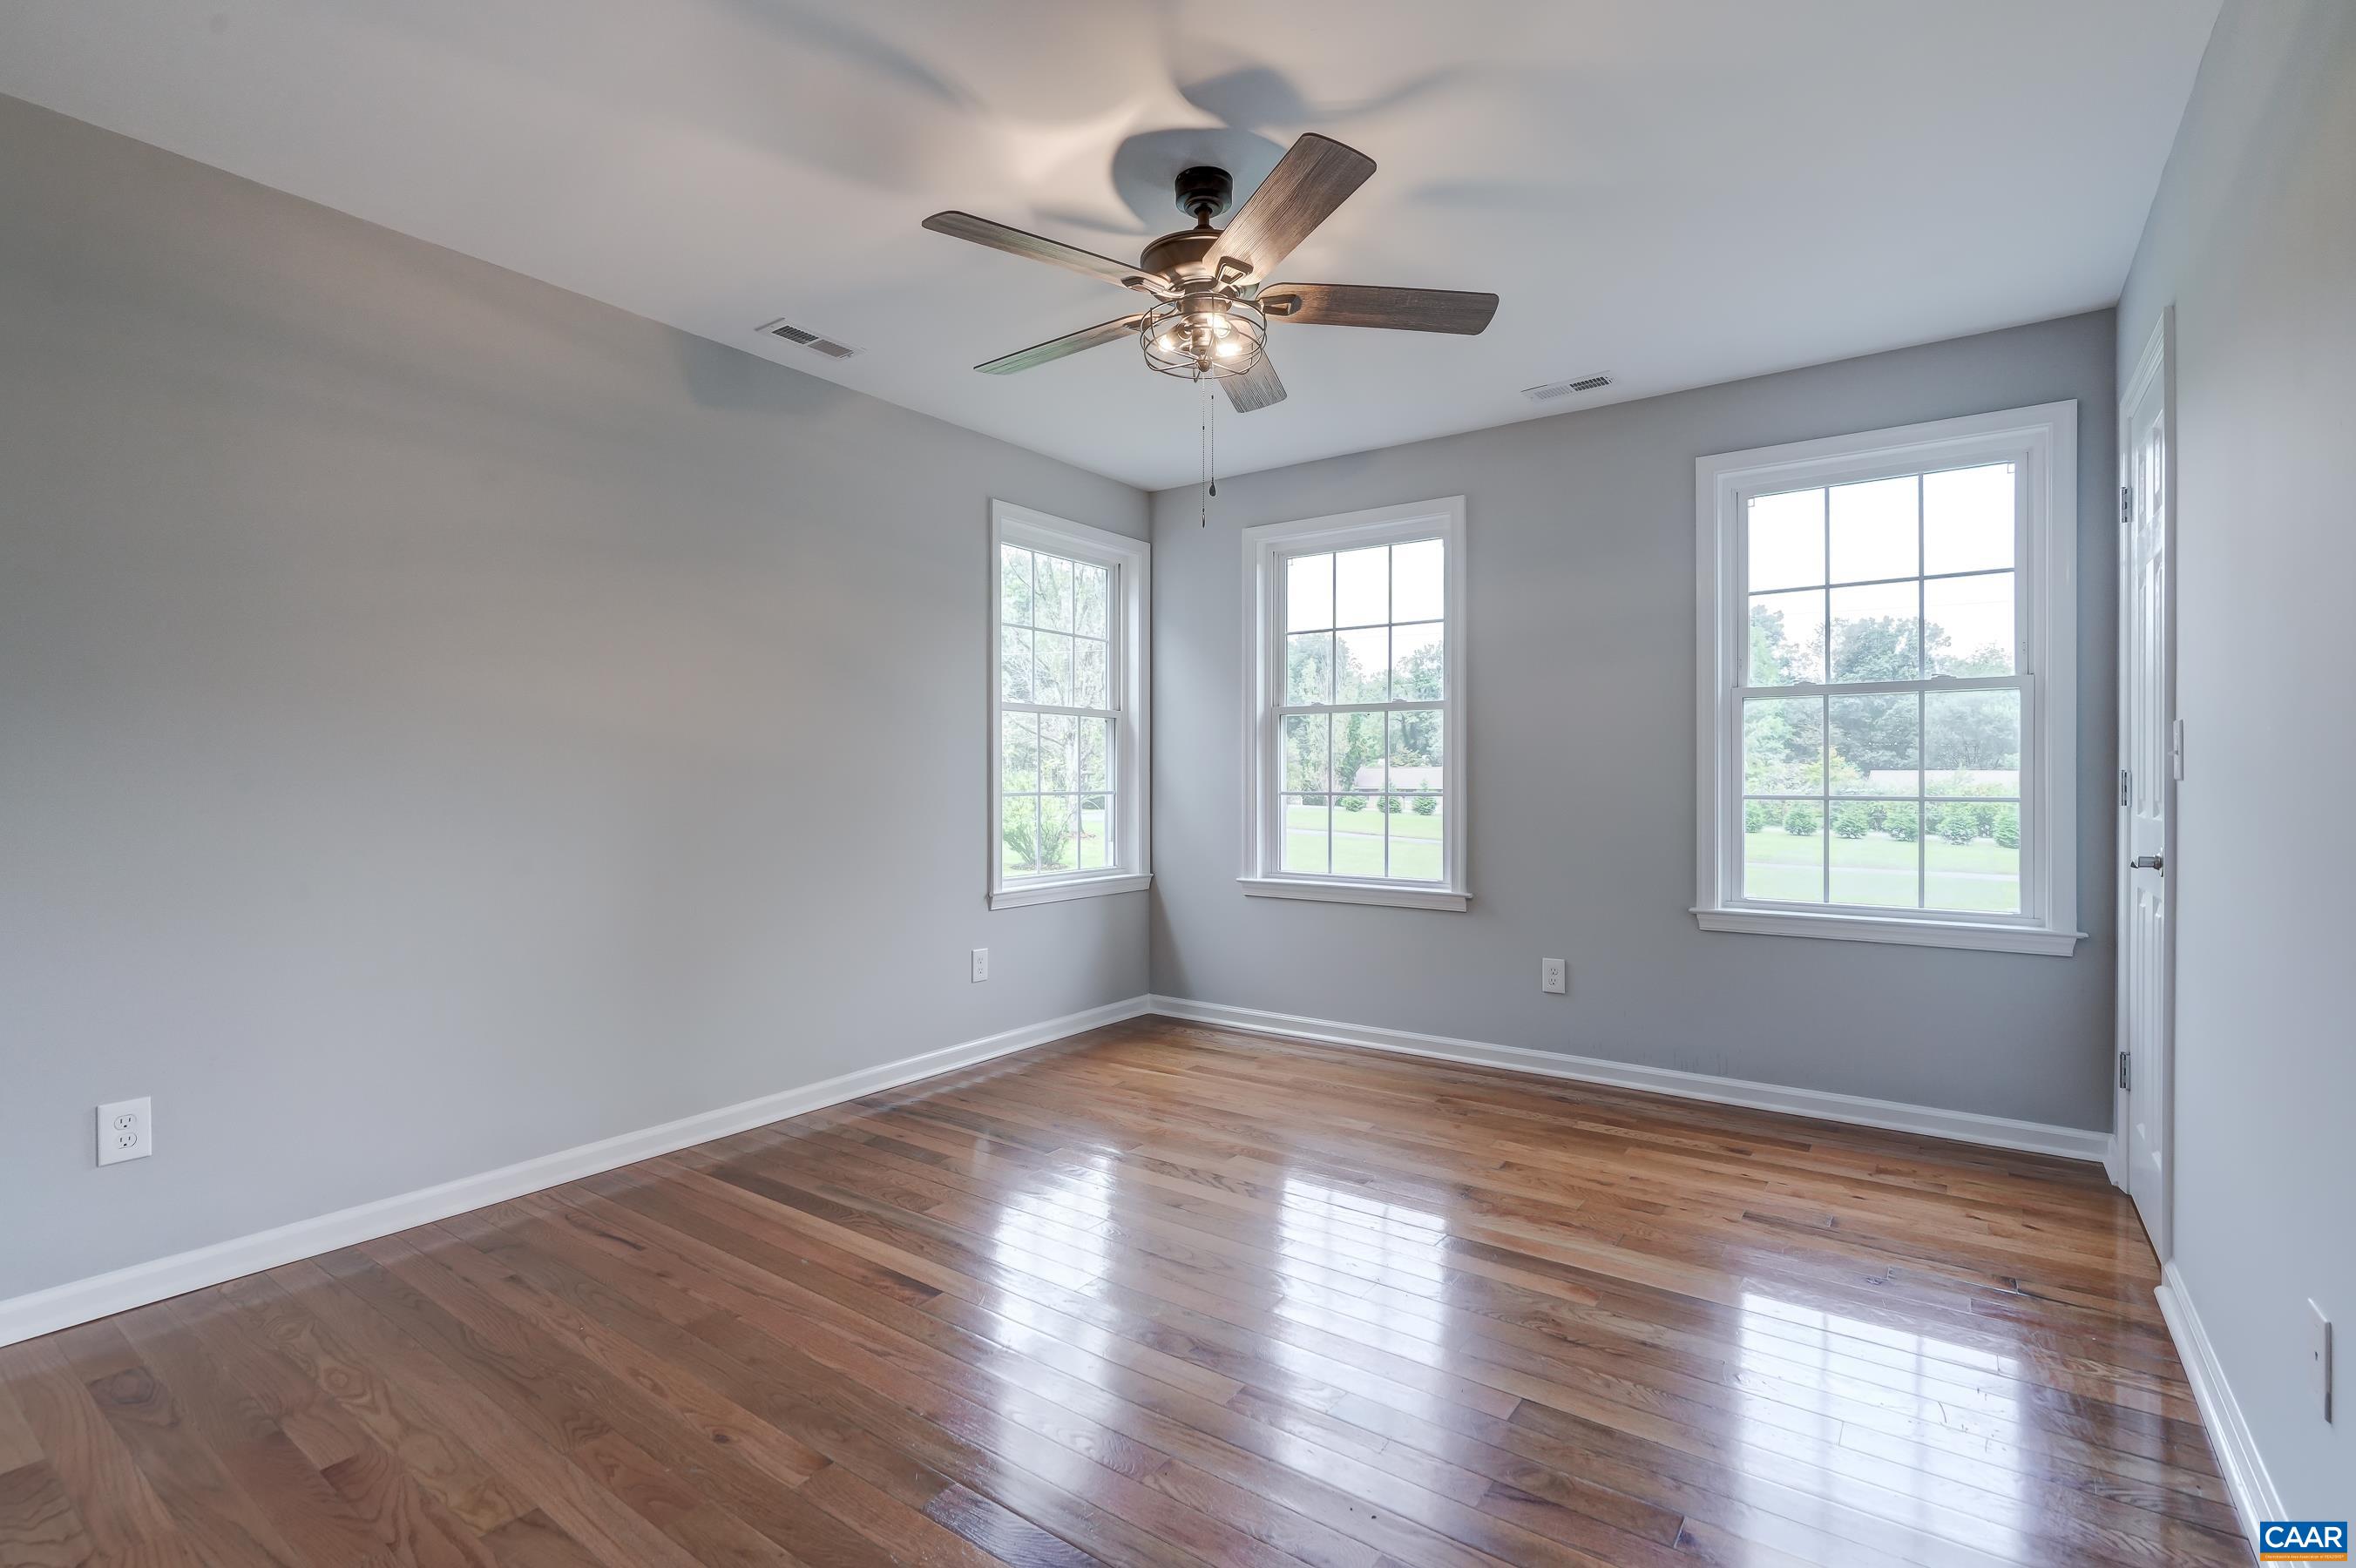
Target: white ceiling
[(1677, 192)]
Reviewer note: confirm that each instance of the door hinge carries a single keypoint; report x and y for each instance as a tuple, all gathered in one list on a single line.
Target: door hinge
[(2126, 503), (2126, 1071), (2122, 786)]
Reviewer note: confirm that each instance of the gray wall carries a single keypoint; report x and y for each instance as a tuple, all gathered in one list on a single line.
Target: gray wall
[(412, 672), (1580, 534), (2253, 240), (445, 721)]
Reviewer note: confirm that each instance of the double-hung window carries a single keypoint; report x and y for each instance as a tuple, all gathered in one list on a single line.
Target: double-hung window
[(1888, 706), (1068, 726), (1354, 742)]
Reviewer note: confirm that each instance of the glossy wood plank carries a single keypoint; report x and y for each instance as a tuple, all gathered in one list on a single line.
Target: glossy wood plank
[(38, 1525), (124, 1520), (1168, 1296)]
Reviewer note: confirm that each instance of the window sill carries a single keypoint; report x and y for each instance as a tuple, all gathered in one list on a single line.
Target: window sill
[(1905, 932), (1078, 888), (1354, 892)]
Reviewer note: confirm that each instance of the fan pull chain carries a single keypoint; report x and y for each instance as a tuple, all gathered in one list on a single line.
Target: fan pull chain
[(1210, 455)]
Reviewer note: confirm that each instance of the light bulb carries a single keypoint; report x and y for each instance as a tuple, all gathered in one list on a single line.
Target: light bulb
[(1165, 342), (1220, 324), (1228, 349)]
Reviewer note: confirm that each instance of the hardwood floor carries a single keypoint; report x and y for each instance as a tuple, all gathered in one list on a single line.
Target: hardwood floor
[(1165, 1295)]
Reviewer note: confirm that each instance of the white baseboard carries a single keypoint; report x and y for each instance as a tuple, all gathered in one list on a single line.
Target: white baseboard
[(78, 1301), (1999, 1132), (2253, 1490)]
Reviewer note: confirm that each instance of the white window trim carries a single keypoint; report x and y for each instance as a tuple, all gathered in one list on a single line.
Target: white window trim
[(1131, 608), (2043, 442), (1265, 549)]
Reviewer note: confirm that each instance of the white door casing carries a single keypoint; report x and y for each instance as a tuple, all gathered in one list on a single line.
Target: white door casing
[(2150, 762)]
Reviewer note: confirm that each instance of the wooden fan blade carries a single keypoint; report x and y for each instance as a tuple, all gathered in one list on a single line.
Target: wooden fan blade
[(1056, 347), (1401, 310), (1256, 388), (1316, 175), (1038, 247)]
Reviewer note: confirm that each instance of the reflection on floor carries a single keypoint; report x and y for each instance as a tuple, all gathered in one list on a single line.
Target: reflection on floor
[(1162, 1295)]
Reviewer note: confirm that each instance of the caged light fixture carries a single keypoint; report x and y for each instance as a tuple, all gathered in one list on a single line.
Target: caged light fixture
[(1206, 333)]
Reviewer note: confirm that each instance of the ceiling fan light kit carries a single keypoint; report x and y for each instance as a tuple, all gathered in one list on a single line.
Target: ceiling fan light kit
[(1212, 302), (1204, 334)]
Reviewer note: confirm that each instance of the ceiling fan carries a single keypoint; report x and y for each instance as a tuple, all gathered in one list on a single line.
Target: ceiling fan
[(1212, 300)]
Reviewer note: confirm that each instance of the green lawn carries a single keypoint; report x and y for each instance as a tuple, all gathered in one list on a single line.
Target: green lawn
[(1878, 869), (1357, 840), (1875, 869)]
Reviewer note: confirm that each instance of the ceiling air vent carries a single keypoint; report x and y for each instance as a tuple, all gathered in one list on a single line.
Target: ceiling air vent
[(1554, 389), (804, 337)]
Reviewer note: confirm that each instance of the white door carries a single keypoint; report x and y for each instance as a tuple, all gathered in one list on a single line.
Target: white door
[(2149, 764)]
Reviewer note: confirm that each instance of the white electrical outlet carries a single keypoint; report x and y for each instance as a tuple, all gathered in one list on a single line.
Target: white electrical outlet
[(2319, 1348), (126, 1130), (1554, 975), (981, 964)]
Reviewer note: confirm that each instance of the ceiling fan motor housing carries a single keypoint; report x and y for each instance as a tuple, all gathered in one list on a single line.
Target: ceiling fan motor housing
[(1204, 192), (1184, 255)]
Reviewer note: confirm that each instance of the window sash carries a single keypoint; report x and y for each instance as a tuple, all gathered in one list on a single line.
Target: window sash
[(2030, 827), (1867, 471), (1117, 849), (1415, 705), (1111, 713), (1886, 799), (1113, 639), (1934, 684)]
